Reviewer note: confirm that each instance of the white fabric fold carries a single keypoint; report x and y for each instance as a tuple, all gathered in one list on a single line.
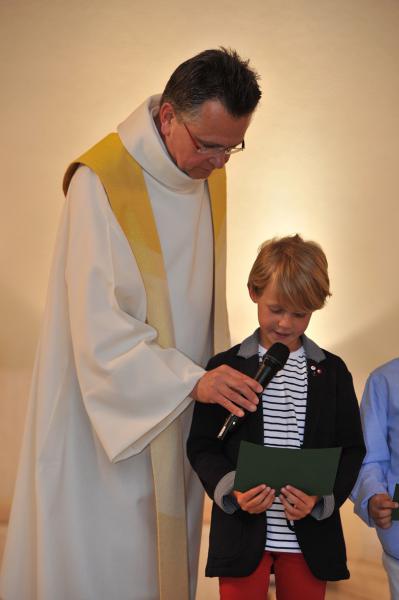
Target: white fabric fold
[(102, 390)]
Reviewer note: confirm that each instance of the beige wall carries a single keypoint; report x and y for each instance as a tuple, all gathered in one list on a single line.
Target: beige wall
[(321, 159)]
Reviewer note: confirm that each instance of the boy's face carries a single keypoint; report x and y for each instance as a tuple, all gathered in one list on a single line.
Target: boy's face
[(279, 323)]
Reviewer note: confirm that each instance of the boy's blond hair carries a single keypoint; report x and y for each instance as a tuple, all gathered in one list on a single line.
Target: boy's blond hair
[(297, 269)]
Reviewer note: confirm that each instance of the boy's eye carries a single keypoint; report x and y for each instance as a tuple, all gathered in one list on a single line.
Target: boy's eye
[(275, 311), (300, 315)]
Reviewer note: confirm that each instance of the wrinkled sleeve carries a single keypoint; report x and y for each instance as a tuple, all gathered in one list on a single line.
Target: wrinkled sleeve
[(349, 435), (204, 449), (372, 477), (131, 387)]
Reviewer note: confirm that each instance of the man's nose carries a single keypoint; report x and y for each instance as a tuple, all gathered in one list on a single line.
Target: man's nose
[(219, 160)]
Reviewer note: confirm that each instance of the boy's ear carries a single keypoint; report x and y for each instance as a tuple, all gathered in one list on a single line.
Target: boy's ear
[(252, 294)]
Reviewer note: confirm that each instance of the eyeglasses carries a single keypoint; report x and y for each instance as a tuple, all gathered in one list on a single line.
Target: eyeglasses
[(201, 149)]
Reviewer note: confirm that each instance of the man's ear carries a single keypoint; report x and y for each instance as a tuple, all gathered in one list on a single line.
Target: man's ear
[(166, 114), (253, 295)]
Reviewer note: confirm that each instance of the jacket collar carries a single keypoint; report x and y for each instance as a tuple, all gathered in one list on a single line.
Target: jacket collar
[(249, 347)]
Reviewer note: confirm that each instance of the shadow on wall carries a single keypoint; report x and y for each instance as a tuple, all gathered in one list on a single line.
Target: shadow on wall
[(14, 385), (18, 340), (19, 331)]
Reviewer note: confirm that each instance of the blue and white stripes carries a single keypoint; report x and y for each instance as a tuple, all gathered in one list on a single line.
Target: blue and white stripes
[(284, 411)]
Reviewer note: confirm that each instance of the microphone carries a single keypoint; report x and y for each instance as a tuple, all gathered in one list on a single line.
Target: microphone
[(273, 360)]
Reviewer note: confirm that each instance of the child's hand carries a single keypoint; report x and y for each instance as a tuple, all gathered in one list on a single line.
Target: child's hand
[(296, 504), (256, 500), (380, 510)]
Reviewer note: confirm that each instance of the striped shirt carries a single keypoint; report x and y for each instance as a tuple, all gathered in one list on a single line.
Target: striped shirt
[(284, 412)]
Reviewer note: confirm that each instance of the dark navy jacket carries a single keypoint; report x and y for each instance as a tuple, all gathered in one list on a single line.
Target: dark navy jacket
[(237, 541)]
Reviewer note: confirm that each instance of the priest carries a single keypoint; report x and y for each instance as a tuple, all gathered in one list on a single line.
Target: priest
[(106, 505)]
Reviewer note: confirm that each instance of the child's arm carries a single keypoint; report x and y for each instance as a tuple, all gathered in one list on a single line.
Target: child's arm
[(348, 435), (204, 450), (215, 470), (372, 487), (212, 464)]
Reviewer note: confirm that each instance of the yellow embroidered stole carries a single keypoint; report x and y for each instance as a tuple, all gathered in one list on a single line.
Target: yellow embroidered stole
[(125, 187)]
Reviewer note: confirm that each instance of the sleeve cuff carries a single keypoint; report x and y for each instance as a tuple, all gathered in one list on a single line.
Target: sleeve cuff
[(324, 508), (223, 497)]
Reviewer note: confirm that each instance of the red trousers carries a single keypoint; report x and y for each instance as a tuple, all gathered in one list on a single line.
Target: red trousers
[(294, 580)]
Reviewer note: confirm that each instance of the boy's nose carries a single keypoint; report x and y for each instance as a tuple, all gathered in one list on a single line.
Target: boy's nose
[(285, 321)]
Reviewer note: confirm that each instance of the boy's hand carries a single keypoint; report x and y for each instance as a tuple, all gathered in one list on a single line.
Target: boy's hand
[(380, 510), (228, 387), (296, 504), (256, 500)]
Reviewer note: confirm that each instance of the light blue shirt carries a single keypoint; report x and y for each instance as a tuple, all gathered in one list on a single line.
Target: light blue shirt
[(379, 410)]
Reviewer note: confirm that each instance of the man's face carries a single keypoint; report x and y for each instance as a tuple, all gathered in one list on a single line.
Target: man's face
[(212, 130)]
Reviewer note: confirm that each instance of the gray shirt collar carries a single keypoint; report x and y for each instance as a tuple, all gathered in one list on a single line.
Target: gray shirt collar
[(249, 347)]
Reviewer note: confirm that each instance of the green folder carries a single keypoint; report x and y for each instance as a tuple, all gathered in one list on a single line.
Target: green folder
[(312, 471), (395, 511)]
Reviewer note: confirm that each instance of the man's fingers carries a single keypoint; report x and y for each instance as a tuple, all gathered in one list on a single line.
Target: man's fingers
[(247, 387), (241, 389), (242, 379), (237, 399), (228, 405), (229, 388)]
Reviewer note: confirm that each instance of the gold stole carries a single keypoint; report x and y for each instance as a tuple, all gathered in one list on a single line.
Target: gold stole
[(125, 187)]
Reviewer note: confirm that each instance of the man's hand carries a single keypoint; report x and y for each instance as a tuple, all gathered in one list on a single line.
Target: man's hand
[(256, 500), (296, 504), (380, 510), (228, 387)]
